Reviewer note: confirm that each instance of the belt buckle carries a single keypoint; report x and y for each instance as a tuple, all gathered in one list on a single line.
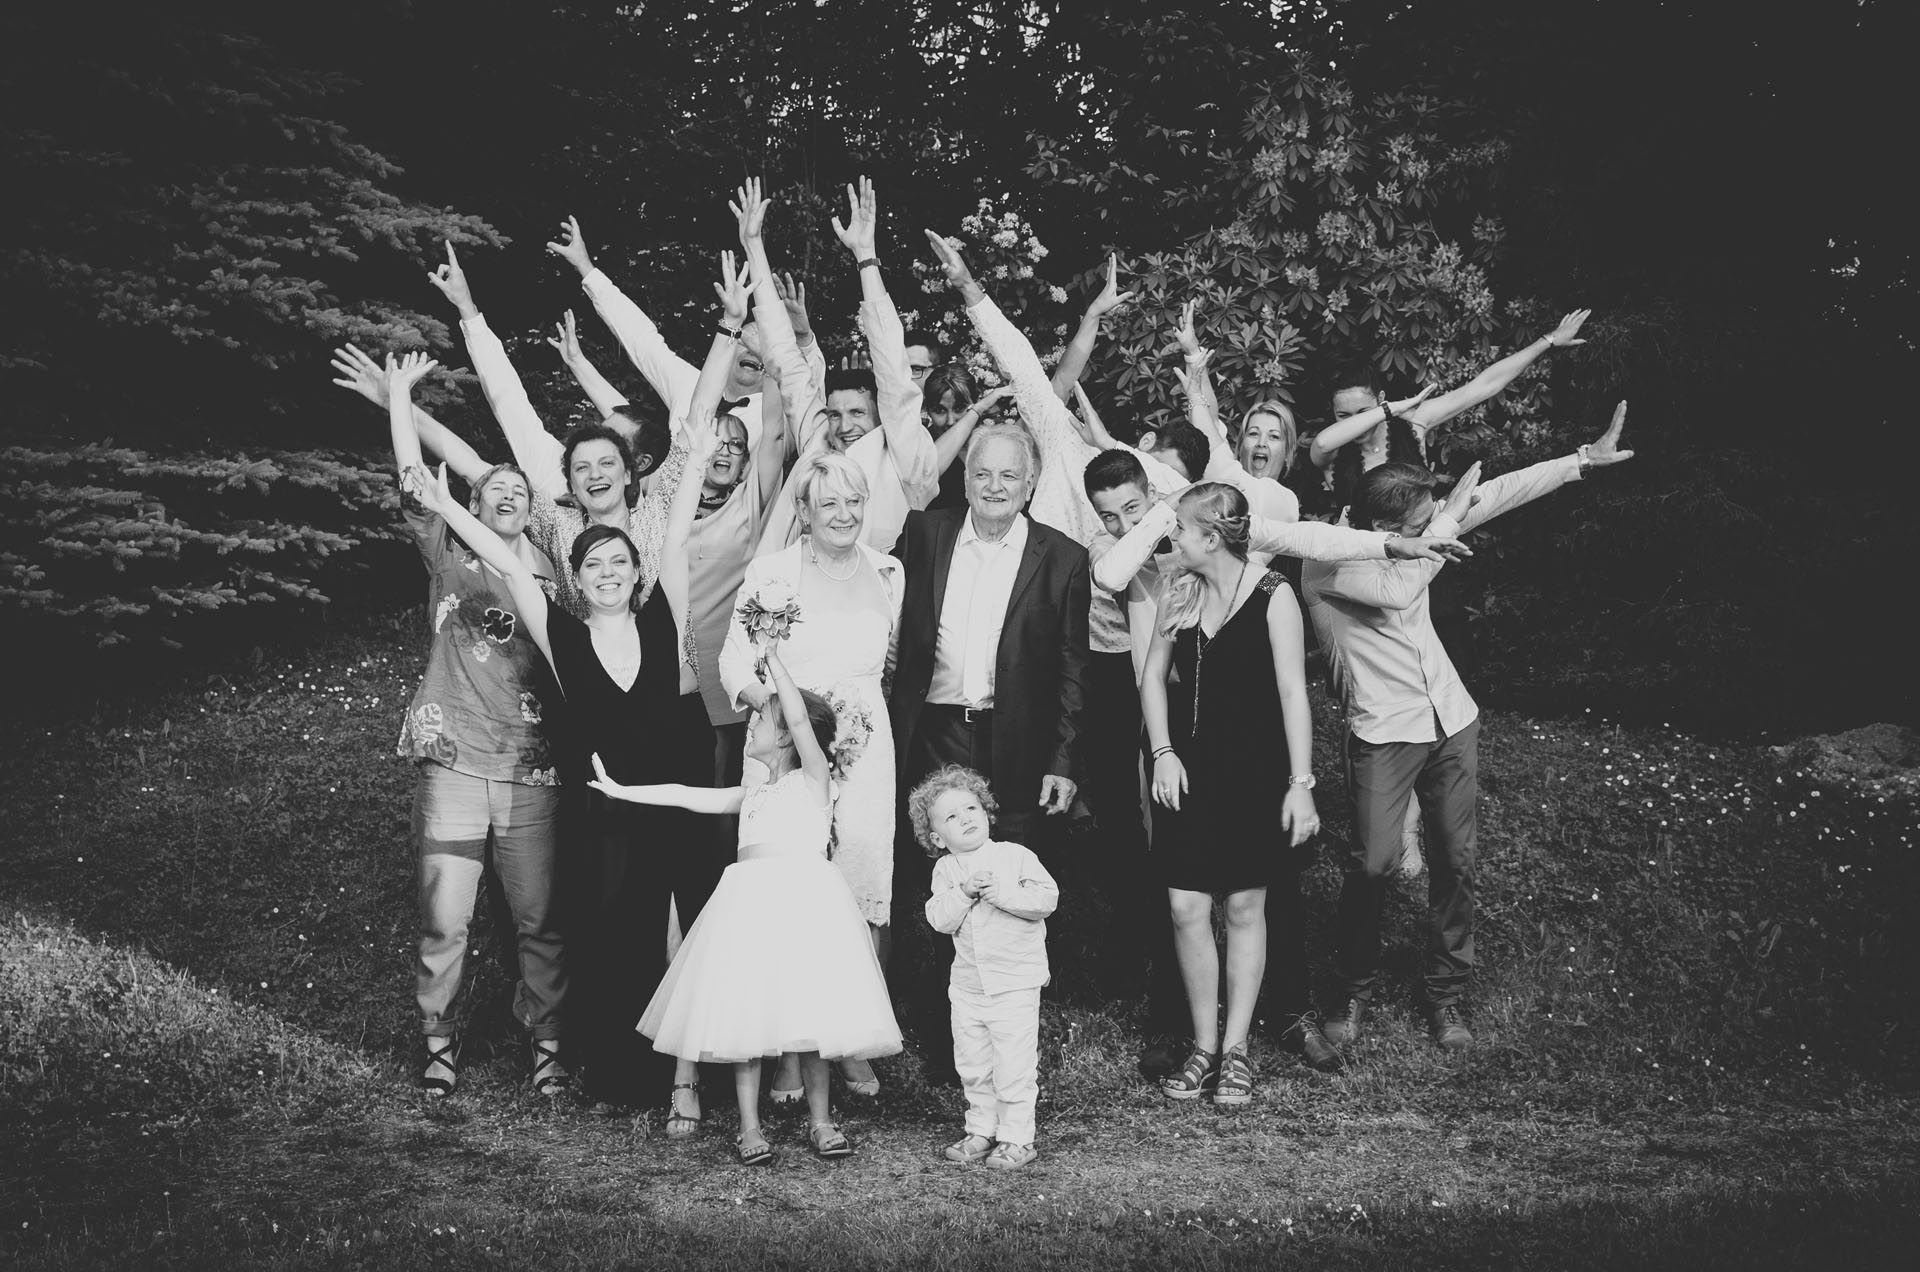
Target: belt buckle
[(968, 713)]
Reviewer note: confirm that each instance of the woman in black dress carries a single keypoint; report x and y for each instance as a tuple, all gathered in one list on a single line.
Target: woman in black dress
[(1224, 695)]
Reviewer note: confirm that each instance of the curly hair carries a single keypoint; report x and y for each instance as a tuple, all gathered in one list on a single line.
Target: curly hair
[(952, 777)]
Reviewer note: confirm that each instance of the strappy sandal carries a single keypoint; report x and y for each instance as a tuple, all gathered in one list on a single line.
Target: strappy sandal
[(828, 1141), (1236, 1078), (752, 1152), (680, 1125), (445, 1056), (969, 1150), (867, 1088), (550, 1077), (1193, 1079)]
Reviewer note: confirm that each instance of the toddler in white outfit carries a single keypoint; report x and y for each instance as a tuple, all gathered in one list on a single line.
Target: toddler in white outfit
[(993, 898)]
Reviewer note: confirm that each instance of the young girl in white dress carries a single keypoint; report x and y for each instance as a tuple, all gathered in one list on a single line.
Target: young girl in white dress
[(779, 960)]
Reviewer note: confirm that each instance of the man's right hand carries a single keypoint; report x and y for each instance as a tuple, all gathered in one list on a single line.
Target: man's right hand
[(452, 283)]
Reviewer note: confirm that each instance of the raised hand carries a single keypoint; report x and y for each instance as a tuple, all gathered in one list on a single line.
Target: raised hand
[(566, 341), (1407, 404), (1184, 333), (361, 374), (749, 208), (858, 360), (1428, 548), (792, 292), (1095, 426), (984, 404), (571, 247), (1607, 450), (1110, 297), (863, 219), (452, 282), (735, 289), (429, 486), (1460, 502), (403, 373), (1189, 376), (954, 265), (703, 439), (1565, 334)]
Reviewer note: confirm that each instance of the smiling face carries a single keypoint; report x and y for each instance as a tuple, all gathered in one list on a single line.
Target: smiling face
[(749, 364), (607, 576), (999, 482), (1263, 444), (850, 417), (730, 458), (835, 514), (598, 477), (957, 820), (939, 416), (767, 740), (1191, 544), (502, 502), (1121, 508)]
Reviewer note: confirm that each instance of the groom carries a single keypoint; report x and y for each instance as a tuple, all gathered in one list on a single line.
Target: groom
[(993, 651)]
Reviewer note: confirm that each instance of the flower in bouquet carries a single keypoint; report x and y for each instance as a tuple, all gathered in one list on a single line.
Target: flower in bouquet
[(769, 615), (854, 729)]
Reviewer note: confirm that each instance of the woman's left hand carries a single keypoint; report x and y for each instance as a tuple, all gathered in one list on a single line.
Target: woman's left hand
[(1607, 450), (1298, 815)]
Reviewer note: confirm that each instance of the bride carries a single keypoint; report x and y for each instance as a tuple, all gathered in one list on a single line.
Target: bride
[(842, 646)]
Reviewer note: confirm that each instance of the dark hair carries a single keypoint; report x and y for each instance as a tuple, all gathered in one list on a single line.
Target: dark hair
[(841, 379), (1112, 469), (585, 433), (1403, 447), (1389, 492), (929, 341), (592, 537), (1185, 441), (950, 377), (1358, 375), (820, 714)]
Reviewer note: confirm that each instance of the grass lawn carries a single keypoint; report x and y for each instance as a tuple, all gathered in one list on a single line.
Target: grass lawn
[(1695, 1006)]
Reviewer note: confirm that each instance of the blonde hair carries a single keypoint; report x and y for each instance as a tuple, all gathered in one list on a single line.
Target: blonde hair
[(950, 777), (1289, 430), (830, 470), (1216, 508)]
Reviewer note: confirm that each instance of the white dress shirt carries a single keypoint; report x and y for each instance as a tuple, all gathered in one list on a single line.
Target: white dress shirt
[(973, 612), (995, 950)]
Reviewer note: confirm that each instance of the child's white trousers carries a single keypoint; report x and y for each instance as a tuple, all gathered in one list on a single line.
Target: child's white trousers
[(996, 1049)]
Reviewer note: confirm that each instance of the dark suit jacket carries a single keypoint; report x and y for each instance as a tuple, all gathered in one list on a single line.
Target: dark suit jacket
[(1039, 670)]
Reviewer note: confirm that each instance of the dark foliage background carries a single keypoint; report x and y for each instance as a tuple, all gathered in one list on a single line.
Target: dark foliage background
[(204, 199)]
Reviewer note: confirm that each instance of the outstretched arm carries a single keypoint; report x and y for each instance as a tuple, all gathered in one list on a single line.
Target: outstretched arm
[(1074, 360), (1508, 491), (896, 397), (703, 437), (360, 373), (599, 390), (1337, 434), (1491, 381), (671, 376), (698, 799)]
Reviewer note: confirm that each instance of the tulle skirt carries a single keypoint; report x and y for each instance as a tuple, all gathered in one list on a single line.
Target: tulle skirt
[(779, 960)]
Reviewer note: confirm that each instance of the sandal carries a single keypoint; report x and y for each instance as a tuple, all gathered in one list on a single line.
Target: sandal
[(1011, 1156), (682, 1125), (1193, 1079), (1235, 1085), (867, 1088), (550, 1077), (969, 1150), (786, 1099), (447, 1057), (828, 1141), (754, 1151)]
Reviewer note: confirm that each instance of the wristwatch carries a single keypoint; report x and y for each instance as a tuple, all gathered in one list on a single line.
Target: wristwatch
[(1308, 781)]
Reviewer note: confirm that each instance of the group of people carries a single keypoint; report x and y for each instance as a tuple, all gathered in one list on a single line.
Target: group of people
[(754, 710)]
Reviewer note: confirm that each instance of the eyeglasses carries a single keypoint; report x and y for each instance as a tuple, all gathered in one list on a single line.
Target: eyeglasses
[(734, 445)]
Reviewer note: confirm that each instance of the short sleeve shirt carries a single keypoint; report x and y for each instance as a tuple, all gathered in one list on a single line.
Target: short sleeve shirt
[(478, 709)]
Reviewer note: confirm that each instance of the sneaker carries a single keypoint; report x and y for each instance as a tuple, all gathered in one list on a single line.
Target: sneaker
[(1305, 1039), (1010, 1156), (1448, 1029), (970, 1150), (1342, 1027)]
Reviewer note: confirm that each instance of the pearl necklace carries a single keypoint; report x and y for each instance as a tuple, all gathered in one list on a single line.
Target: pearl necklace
[(814, 556)]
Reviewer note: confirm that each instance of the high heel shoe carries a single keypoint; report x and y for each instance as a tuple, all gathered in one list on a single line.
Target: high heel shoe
[(867, 1087), (444, 1058)]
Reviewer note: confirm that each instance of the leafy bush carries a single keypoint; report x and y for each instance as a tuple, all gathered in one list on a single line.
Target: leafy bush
[(116, 545)]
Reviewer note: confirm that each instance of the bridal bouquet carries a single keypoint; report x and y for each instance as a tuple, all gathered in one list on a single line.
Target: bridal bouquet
[(854, 732), (769, 615)]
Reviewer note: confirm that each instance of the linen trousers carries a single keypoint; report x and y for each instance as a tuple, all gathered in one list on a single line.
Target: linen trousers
[(457, 820), (996, 1050)]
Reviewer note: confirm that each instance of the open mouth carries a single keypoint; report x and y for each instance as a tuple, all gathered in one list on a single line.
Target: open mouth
[(598, 489)]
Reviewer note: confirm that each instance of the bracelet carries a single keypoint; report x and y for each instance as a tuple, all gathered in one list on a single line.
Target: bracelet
[(1159, 751), (731, 333), (1549, 342), (1580, 453), (872, 262), (1386, 411)]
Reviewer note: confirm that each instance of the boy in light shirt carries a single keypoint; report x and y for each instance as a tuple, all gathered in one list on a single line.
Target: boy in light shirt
[(993, 898)]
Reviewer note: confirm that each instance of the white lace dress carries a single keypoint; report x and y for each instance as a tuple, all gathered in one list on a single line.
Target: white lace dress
[(779, 960)]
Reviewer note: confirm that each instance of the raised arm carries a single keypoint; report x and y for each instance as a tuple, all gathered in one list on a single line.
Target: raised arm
[(431, 490), (361, 374), (1508, 491), (1074, 360), (896, 397), (537, 451), (1337, 434), (1044, 413), (1203, 408), (793, 712), (566, 342), (798, 394), (1497, 377), (671, 376), (675, 568)]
